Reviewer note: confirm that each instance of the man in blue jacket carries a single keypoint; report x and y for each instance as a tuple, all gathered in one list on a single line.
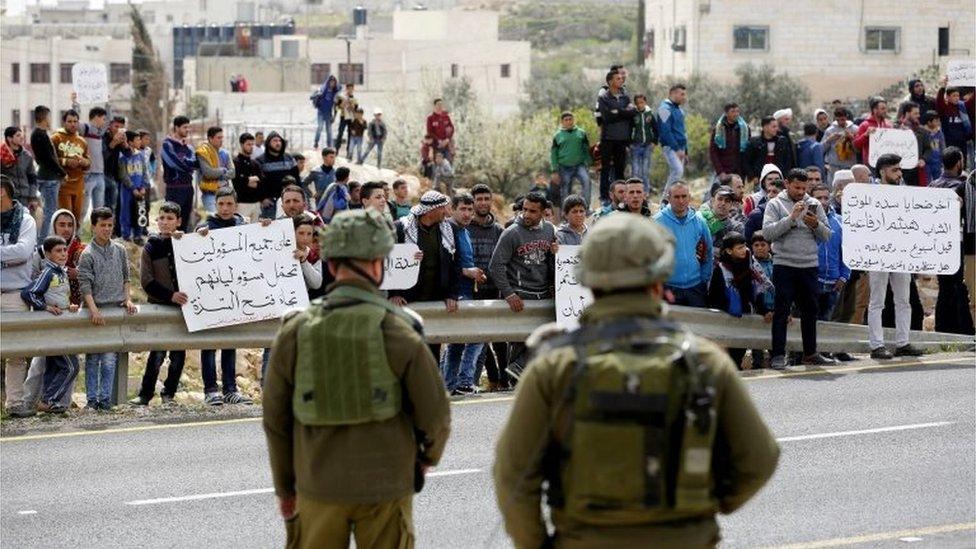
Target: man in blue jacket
[(692, 248), (671, 132), (324, 101), (833, 274)]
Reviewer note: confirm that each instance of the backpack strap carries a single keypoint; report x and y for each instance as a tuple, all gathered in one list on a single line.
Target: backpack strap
[(356, 295)]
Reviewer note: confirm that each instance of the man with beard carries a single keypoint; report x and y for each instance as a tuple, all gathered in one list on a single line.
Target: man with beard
[(275, 164)]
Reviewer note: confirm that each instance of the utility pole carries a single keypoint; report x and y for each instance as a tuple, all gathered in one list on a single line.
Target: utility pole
[(640, 32)]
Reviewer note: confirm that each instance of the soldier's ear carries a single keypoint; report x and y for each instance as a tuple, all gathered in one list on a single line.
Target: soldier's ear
[(656, 290)]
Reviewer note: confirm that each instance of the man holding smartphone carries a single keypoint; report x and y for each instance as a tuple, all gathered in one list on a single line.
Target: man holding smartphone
[(795, 223)]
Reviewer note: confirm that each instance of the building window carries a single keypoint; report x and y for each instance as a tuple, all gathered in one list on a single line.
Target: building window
[(506, 70), (289, 49), (119, 73), (943, 41), (351, 73), (40, 73), (15, 73), (454, 70), (15, 118), (882, 39), (66, 73), (750, 38), (679, 39), (320, 71)]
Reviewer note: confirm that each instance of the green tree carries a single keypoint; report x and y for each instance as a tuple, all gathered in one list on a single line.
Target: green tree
[(151, 102), (759, 91)]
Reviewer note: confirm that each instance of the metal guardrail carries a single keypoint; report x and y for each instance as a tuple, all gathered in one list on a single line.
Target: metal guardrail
[(162, 327)]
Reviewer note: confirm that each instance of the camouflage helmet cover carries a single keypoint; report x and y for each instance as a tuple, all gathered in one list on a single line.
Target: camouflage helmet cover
[(357, 234), (625, 250)]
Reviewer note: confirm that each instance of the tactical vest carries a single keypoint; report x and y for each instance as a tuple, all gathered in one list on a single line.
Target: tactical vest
[(635, 428), (342, 376)]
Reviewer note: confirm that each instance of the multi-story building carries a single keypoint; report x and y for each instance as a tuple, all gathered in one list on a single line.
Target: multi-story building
[(37, 61), (839, 48)]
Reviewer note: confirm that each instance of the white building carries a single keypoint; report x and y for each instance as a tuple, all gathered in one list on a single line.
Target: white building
[(424, 46), (37, 61), (839, 48)]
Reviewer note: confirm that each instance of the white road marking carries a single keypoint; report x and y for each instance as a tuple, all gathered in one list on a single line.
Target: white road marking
[(910, 539), (27, 512), (216, 495), (866, 431)]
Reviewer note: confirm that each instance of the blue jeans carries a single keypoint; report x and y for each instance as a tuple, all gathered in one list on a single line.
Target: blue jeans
[(640, 159), (49, 196), (209, 201), (128, 228), (692, 297), (566, 175), (379, 153), (94, 190), (458, 364), (228, 370), (676, 168), (826, 300), (99, 377), (354, 143), (324, 119)]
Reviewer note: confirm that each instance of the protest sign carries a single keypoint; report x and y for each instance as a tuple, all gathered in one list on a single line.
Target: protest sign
[(90, 82), (900, 229), (961, 72), (571, 297), (400, 268), (900, 142), (239, 274)]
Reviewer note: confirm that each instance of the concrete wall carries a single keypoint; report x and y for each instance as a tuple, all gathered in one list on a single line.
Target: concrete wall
[(55, 51), (263, 75), (819, 41), (444, 25)]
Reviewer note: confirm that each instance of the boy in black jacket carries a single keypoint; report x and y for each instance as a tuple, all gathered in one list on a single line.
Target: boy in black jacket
[(158, 277)]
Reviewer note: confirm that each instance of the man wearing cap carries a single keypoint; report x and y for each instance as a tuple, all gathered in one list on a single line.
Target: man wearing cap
[(889, 172), (355, 411), (599, 412), (717, 214), (377, 137), (439, 277)]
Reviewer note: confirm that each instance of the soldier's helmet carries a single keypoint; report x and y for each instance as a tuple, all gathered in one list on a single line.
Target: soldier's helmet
[(625, 250), (357, 234)]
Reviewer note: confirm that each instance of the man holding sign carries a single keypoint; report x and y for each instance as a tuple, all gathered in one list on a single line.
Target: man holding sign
[(956, 113), (889, 168)]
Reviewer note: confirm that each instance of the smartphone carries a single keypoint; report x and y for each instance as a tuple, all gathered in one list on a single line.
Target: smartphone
[(812, 209)]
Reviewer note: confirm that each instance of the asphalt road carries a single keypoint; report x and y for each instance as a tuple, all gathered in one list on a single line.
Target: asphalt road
[(877, 457)]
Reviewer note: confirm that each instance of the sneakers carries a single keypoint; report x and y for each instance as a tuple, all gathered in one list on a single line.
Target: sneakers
[(881, 354), (213, 399), (778, 362), (21, 411), (515, 370), (464, 390), (51, 408), (817, 359), (908, 350), (236, 398), (844, 357), (139, 401)]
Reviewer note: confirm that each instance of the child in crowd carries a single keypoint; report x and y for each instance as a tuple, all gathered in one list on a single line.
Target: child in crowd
[(225, 216), (442, 173), (158, 278), (134, 179), (51, 292), (103, 276), (149, 157), (574, 228), (427, 156), (937, 144), (764, 257), (357, 127), (306, 252), (377, 137), (738, 284)]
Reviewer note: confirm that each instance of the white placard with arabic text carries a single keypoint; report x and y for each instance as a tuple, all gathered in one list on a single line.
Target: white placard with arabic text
[(239, 275), (401, 268), (900, 142), (90, 82), (961, 72), (571, 297), (901, 229)]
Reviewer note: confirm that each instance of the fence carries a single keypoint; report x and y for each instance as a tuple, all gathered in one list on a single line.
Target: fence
[(162, 327)]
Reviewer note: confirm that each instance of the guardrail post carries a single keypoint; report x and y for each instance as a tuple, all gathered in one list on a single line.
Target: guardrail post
[(120, 389)]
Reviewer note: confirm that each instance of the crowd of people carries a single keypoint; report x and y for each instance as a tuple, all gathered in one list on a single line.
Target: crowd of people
[(775, 251)]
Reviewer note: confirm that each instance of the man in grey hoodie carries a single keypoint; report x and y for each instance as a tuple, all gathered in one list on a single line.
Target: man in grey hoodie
[(523, 265), (794, 223)]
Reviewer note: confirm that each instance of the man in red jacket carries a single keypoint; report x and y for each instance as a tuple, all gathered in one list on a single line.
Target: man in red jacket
[(440, 126), (878, 119)]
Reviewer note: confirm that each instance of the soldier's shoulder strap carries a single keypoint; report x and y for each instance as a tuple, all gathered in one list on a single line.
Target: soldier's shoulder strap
[(345, 296)]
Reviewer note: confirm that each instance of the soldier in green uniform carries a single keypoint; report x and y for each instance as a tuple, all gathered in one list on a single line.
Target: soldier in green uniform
[(355, 410), (639, 430)]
